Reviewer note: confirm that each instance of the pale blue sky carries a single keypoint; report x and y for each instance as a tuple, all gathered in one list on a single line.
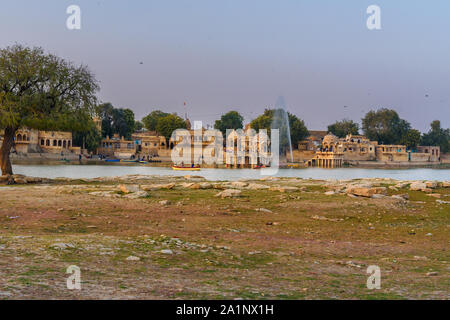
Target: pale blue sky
[(243, 54)]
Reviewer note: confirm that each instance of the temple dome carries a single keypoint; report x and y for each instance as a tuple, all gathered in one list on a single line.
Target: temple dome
[(330, 139)]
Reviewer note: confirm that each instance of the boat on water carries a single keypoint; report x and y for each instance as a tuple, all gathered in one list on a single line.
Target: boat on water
[(179, 168), (112, 160)]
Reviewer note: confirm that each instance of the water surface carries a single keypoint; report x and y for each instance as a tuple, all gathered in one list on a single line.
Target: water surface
[(94, 171)]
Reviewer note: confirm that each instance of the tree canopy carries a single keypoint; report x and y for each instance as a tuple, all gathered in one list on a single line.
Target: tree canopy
[(411, 138), (41, 91), (151, 120), (437, 136), (344, 127), (297, 126), (385, 126), (230, 120), (116, 120), (166, 125)]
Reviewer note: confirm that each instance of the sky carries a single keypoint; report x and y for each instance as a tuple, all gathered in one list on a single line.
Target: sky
[(244, 54)]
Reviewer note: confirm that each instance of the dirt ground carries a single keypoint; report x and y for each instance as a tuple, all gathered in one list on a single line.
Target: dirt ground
[(263, 244)]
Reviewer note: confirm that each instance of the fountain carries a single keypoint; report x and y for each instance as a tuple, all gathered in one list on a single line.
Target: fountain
[(280, 121)]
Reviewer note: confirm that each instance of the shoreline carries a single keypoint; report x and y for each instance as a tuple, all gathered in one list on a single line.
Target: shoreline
[(271, 238), (360, 165)]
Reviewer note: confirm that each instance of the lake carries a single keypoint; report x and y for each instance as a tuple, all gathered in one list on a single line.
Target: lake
[(94, 171)]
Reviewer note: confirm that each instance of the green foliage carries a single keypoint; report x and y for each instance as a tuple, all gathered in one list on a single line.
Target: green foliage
[(297, 127), (385, 126), (166, 125), (151, 120), (43, 91), (89, 138), (230, 120), (342, 128), (411, 138), (138, 126), (114, 120), (437, 136)]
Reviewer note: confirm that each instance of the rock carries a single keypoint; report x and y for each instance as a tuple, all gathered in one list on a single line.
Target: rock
[(20, 180), (203, 185), (62, 246), (284, 189), (393, 188), (136, 195), (443, 202), (133, 258), (417, 186), (264, 210), (167, 251), (229, 193), (402, 185), (446, 184), (153, 187), (129, 188), (431, 184), (427, 190), (429, 234), (378, 196), (239, 184), (105, 194), (420, 258), (33, 180), (330, 193), (365, 192), (401, 196), (206, 185), (434, 195), (325, 218), (257, 186), (164, 202), (432, 274)]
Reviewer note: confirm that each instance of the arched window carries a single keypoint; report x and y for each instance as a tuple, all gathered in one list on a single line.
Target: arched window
[(68, 144), (47, 143), (55, 143), (42, 142), (24, 138), (59, 143), (19, 137), (64, 144)]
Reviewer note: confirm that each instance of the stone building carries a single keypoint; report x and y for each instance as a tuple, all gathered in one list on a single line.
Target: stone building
[(34, 141), (117, 147), (334, 152), (150, 144)]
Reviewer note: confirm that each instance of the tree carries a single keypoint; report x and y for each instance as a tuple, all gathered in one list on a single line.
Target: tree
[(116, 120), (411, 138), (138, 126), (166, 125), (89, 138), (385, 126), (105, 112), (151, 120), (343, 128), (123, 122), (271, 118), (437, 136), (230, 120), (41, 91)]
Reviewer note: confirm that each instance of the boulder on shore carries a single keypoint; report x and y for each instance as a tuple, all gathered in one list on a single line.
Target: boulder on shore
[(229, 193), (365, 192)]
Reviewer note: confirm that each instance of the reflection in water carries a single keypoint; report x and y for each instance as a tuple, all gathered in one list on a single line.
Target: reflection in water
[(93, 171)]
